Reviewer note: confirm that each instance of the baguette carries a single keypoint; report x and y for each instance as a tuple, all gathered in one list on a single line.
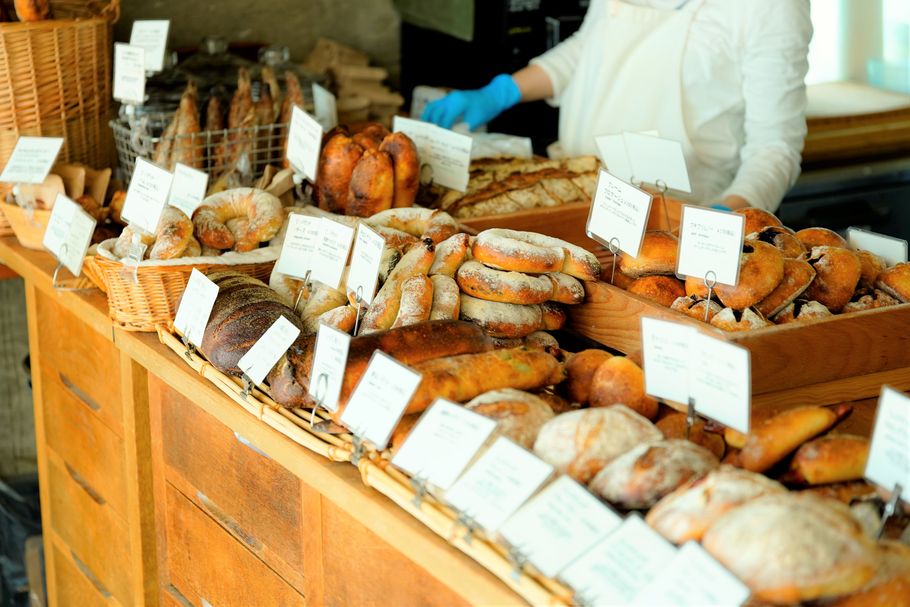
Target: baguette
[(384, 308), (829, 459)]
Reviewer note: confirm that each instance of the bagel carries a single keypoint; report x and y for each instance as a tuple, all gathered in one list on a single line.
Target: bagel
[(264, 212), (170, 240), (553, 316), (501, 319), (566, 289), (416, 221), (482, 282), (450, 254), (416, 301), (533, 253), (761, 268), (657, 255)]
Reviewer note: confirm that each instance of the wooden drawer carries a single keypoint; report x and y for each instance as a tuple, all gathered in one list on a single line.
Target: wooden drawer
[(92, 454), (255, 499), (86, 363), (205, 563), (89, 526), (76, 584)]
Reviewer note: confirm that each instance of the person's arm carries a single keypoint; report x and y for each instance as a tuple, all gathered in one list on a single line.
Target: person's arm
[(534, 83), (775, 38)]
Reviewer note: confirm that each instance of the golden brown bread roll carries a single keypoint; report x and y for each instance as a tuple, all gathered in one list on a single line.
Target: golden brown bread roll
[(872, 265), (835, 458), (33, 10), (732, 320), (618, 380), (336, 165), (175, 230), (869, 299), (552, 316), (406, 167), (663, 290), (384, 308), (580, 370), (372, 185), (342, 318), (783, 238), (694, 306), (450, 254), (821, 237), (895, 281), (674, 426), (760, 271), (566, 289), (756, 219), (838, 272), (801, 311), (416, 301), (657, 255), (520, 415), (798, 275)]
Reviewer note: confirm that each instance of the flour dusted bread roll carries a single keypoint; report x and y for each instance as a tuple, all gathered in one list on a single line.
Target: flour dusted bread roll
[(783, 238), (426, 224), (502, 286), (838, 271), (450, 254), (416, 301), (821, 237), (446, 298), (520, 415), (694, 306), (383, 309), (580, 443), (801, 311), (173, 236), (895, 281), (729, 319), (757, 219), (533, 253), (761, 269), (502, 319), (580, 370), (869, 299), (619, 381), (657, 255), (262, 210), (566, 289), (798, 275)]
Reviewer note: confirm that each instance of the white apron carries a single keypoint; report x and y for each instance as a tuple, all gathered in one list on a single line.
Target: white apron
[(629, 78)]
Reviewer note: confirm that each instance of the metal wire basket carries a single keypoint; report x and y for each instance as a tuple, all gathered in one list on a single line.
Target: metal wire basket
[(245, 152)]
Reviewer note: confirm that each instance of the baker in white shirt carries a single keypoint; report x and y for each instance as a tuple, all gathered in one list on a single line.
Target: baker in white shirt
[(726, 78)]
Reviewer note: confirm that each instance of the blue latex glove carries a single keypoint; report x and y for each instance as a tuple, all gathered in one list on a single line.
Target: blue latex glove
[(476, 107), (721, 207)]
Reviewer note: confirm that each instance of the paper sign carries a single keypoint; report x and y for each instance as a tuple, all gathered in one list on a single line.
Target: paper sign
[(692, 577), (188, 188), (710, 244), (299, 244), (380, 398), (364, 271), (31, 160), (666, 353), (655, 160), (892, 250), (558, 524), (889, 456), (330, 255), (260, 359), (69, 233), (129, 73), (447, 153), (151, 36), (445, 428), (329, 361), (325, 107), (304, 143), (612, 150), (619, 566), (720, 381), (195, 307), (620, 212), (147, 195), (498, 484)]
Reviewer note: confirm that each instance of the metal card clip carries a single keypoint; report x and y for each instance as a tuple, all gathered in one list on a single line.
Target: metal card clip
[(690, 416), (519, 560), (190, 348), (470, 526), (247, 386), (358, 301), (359, 450), (662, 190), (890, 508), (322, 387), (614, 249), (304, 288), (421, 490), (710, 282)]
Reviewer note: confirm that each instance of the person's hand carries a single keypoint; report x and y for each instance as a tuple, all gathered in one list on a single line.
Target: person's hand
[(476, 107)]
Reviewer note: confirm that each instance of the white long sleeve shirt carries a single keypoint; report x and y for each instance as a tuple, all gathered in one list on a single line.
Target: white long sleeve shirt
[(744, 96)]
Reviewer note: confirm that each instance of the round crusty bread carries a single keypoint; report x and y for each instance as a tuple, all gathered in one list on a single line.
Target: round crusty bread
[(895, 281), (781, 237), (520, 415), (866, 299), (657, 255), (619, 381), (821, 237), (798, 275), (757, 218), (872, 265), (732, 320), (663, 290), (693, 306), (801, 310), (580, 369), (673, 425), (760, 271), (838, 272)]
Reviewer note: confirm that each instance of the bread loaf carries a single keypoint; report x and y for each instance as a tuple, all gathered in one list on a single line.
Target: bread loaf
[(580, 369), (519, 414)]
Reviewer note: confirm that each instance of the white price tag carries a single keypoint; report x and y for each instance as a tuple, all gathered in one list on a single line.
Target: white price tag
[(299, 244), (656, 160), (147, 195), (666, 353), (892, 250), (364, 272), (330, 255), (129, 73), (619, 211), (445, 428), (720, 381), (31, 160), (304, 143), (619, 566), (329, 363), (694, 578), (558, 524), (69, 233), (380, 398), (151, 36), (446, 152), (195, 307), (260, 359), (889, 456), (188, 188), (325, 107), (710, 244), (498, 484)]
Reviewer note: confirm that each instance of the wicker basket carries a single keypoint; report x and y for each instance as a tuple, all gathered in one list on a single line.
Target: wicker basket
[(151, 301), (29, 230)]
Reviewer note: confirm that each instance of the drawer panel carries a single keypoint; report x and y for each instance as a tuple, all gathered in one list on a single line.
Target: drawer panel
[(85, 362), (92, 453), (205, 562), (89, 526), (75, 584), (255, 499)]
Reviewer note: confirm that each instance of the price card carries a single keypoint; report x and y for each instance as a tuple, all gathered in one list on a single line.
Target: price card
[(304, 143), (151, 36), (666, 353), (447, 153), (558, 524), (260, 359), (892, 250), (299, 244), (330, 254), (720, 381), (619, 566), (445, 428), (380, 398), (889, 456), (364, 271), (69, 233), (620, 211), (147, 195), (710, 244), (129, 73), (498, 484), (326, 107), (656, 160), (329, 362), (188, 188), (31, 160), (693, 578), (195, 307)]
